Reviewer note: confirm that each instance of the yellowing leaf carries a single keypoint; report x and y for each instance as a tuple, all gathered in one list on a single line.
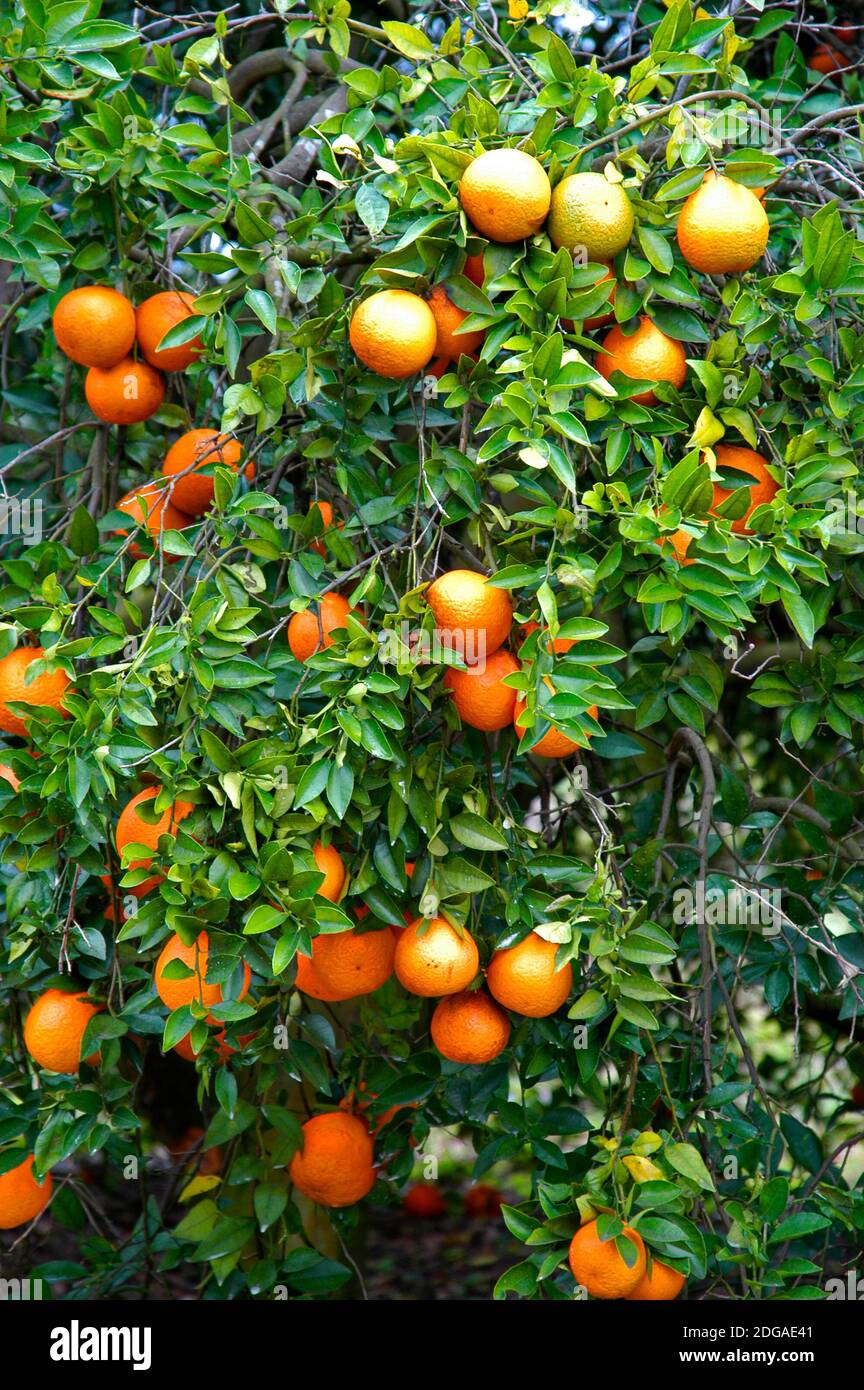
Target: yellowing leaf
[(642, 1169), (707, 430)]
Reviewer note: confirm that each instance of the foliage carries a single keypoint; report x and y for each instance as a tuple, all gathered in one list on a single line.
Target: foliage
[(278, 165)]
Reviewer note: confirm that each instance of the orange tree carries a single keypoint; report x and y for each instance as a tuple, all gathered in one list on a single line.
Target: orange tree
[(564, 666)]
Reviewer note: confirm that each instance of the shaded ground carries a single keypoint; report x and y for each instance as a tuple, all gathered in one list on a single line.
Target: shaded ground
[(447, 1257)]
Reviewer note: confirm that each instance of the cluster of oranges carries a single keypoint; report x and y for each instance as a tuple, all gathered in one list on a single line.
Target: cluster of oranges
[(98, 327), (600, 1269), (506, 196)]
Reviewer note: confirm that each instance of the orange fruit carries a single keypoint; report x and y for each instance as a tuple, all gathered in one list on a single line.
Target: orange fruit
[(193, 492), (352, 963), (329, 862), (597, 320), (680, 543), (328, 521), (185, 1050), (524, 978), (814, 875), (597, 1266), (187, 1149), (722, 227), (475, 270), (471, 617), (480, 696), (43, 692), (827, 60), (354, 1104), (505, 194), (126, 393), (9, 776), (450, 343), (150, 507), (744, 461), (660, 1284), (646, 355), (132, 829), (306, 637), (94, 326), (308, 981), (438, 962), (54, 1028), (482, 1201), (559, 646), (154, 318), (554, 743), (424, 1199), (845, 32), (334, 1167), (192, 988), (591, 215), (469, 1028), (21, 1196), (393, 333), (858, 1094)]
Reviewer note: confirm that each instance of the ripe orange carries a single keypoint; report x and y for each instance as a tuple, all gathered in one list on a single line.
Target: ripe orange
[(328, 520), (450, 343), (597, 320), (505, 194), (187, 1149), (126, 393), (329, 862), (132, 829), (475, 270), (438, 962), (814, 875), (197, 449), (354, 963), (827, 60), (393, 333), (424, 1199), (722, 228), (590, 213), (94, 326), (480, 696), (471, 617), (192, 988), (469, 1028), (559, 646), (21, 1196), (9, 776), (334, 1167), (744, 461), (482, 1201), (659, 1285), (646, 355), (45, 691), (359, 1105), (54, 1028), (680, 543), (554, 743), (524, 978), (598, 1267), (150, 507), (185, 1050), (154, 318), (308, 981), (306, 637)]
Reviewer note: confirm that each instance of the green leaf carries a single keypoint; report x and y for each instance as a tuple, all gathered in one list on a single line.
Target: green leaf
[(688, 1161), (476, 833), (410, 41)]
